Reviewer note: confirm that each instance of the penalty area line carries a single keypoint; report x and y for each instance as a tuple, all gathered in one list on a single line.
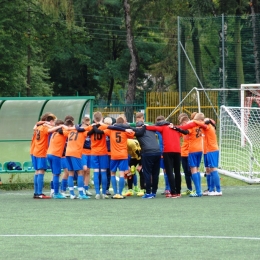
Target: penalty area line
[(134, 236)]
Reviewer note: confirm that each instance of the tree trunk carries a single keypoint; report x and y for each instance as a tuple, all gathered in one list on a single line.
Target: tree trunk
[(112, 80), (133, 70), (111, 87), (256, 35), (238, 52)]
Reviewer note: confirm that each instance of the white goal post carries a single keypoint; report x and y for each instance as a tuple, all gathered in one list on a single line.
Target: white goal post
[(240, 160), (249, 93), (237, 112)]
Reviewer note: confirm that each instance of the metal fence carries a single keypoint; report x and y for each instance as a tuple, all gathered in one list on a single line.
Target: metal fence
[(218, 52)]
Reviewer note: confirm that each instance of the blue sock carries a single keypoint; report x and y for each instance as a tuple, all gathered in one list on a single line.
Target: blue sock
[(64, 184), (71, 184), (52, 186), (86, 187), (104, 181), (40, 183), (121, 184), (195, 178), (35, 181), (212, 184), (135, 180), (80, 182), (216, 180), (114, 184), (56, 183), (199, 177), (208, 178), (167, 185), (96, 182)]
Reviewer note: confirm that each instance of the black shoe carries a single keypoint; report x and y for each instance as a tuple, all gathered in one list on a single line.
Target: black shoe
[(108, 193)]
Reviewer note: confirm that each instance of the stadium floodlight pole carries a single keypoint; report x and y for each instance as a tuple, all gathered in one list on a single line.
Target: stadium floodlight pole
[(179, 59), (197, 78), (223, 51)]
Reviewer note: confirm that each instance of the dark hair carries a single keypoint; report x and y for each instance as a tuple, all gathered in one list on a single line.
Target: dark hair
[(68, 122), (160, 118), (50, 118), (59, 122), (69, 117)]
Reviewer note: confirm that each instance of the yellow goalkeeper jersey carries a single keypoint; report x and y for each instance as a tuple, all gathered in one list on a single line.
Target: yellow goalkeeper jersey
[(134, 149)]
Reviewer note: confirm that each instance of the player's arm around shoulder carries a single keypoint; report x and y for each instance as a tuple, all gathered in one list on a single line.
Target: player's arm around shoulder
[(154, 128), (130, 134), (201, 124), (53, 129), (190, 125)]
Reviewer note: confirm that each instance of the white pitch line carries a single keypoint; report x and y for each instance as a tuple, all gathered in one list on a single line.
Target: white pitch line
[(134, 236)]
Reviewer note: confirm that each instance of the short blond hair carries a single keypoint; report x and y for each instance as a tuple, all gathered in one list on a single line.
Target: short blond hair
[(86, 120), (139, 115), (182, 115), (97, 117), (183, 119), (120, 120), (199, 116), (193, 115), (108, 121)]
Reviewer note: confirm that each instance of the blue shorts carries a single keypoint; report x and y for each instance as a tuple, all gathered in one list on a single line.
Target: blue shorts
[(74, 163), (122, 165), (33, 161), (55, 163), (99, 162), (212, 158), (86, 160), (194, 159), (205, 158), (64, 164), (40, 163), (162, 163)]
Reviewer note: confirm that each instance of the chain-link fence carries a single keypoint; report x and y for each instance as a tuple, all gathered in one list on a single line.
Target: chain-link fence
[(219, 52)]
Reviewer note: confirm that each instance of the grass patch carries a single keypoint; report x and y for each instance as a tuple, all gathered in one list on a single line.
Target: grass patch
[(25, 181)]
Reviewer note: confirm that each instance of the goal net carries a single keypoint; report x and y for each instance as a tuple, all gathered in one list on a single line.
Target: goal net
[(239, 138)]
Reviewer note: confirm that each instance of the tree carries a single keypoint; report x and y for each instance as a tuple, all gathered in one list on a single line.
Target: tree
[(17, 33), (133, 70)]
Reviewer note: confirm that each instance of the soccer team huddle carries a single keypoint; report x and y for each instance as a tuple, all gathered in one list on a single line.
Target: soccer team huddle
[(118, 148)]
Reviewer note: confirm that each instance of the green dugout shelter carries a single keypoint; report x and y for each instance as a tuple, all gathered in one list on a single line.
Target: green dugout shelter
[(19, 115)]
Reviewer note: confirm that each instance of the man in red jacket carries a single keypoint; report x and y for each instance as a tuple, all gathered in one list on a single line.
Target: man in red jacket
[(171, 154)]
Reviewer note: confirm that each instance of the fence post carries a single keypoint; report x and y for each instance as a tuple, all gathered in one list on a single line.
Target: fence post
[(179, 60)]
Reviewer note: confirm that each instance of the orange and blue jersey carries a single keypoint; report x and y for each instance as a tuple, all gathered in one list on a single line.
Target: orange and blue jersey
[(185, 146), (75, 143), (41, 141), (195, 137), (211, 143), (57, 144), (118, 142), (98, 142)]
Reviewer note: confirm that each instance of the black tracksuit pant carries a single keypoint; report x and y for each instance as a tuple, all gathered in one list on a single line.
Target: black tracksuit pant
[(172, 164), (151, 170), (187, 172)]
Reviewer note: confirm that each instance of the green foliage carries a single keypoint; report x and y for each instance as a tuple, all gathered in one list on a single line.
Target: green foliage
[(79, 47)]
